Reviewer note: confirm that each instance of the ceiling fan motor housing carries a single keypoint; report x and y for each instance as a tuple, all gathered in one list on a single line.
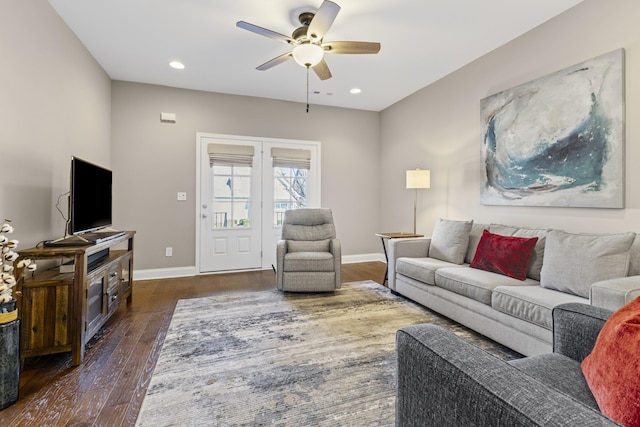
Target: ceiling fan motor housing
[(300, 33)]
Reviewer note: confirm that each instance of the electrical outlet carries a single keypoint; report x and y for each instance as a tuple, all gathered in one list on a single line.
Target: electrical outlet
[(168, 251), (182, 196)]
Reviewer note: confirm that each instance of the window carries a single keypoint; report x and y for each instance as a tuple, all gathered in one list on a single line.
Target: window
[(290, 191), (231, 196), (291, 173), (231, 173)]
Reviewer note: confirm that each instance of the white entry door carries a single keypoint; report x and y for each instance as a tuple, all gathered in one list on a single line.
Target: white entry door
[(230, 199), (244, 186)]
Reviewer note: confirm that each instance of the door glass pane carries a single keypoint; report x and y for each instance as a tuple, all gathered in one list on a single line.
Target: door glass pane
[(231, 196), (290, 191)]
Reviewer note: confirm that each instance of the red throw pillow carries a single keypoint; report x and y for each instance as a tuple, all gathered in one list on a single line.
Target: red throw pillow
[(612, 369), (507, 255)]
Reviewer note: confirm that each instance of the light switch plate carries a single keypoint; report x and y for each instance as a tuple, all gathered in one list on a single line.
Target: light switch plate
[(182, 196)]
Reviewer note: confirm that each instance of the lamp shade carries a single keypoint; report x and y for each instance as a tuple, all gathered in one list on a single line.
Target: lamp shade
[(308, 54), (418, 178)]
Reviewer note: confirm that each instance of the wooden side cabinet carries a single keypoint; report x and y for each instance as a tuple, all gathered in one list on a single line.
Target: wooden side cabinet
[(61, 312)]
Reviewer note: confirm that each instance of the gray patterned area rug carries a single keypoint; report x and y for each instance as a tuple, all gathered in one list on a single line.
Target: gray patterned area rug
[(270, 358)]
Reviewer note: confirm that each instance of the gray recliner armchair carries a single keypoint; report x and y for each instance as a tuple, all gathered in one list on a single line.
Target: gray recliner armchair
[(308, 255)]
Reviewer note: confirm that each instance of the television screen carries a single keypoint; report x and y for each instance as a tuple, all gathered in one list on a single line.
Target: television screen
[(90, 200)]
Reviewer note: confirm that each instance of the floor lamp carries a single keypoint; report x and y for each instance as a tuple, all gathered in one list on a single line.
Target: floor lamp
[(416, 179)]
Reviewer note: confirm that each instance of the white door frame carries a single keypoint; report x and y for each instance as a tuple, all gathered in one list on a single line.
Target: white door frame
[(270, 234)]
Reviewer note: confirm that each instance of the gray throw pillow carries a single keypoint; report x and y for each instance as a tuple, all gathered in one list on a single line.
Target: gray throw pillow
[(573, 262), (474, 239), (450, 240)]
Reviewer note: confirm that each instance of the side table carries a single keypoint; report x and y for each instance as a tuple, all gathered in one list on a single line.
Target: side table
[(387, 236)]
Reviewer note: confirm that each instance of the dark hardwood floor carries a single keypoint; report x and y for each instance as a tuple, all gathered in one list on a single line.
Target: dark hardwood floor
[(107, 389)]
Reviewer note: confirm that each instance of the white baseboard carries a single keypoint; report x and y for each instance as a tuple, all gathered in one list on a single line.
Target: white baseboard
[(164, 273), (168, 273), (350, 259)]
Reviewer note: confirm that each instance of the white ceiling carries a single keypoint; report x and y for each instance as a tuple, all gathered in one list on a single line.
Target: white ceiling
[(422, 41)]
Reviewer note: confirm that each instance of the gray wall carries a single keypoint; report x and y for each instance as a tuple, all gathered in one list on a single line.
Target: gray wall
[(152, 161), (55, 102), (439, 126)]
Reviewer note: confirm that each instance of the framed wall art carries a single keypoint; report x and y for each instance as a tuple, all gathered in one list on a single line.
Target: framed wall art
[(557, 140)]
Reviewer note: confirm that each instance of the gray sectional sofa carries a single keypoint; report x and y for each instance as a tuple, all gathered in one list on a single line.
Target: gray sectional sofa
[(598, 269), (446, 381)]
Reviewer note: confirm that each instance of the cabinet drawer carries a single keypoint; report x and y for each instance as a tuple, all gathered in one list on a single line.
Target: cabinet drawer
[(114, 273), (113, 297)]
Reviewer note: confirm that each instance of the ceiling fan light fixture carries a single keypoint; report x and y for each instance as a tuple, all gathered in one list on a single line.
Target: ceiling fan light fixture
[(308, 54)]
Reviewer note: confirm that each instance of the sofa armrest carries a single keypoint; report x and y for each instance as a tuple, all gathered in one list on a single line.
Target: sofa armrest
[(576, 327), (417, 247), (614, 293), (336, 249), (445, 381)]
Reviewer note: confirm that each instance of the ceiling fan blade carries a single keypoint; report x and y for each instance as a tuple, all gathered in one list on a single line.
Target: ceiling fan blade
[(322, 21), (351, 47), (264, 32), (275, 61), (322, 70)]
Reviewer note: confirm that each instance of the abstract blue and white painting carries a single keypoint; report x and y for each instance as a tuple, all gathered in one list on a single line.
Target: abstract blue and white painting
[(557, 140)]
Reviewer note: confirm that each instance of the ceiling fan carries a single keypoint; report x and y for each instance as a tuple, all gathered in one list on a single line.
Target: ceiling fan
[(307, 41)]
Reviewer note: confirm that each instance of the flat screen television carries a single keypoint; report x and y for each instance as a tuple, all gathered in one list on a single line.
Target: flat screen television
[(91, 198)]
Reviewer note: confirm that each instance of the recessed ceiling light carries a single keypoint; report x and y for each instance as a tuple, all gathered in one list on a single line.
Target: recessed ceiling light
[(355, 90), (177, 65)]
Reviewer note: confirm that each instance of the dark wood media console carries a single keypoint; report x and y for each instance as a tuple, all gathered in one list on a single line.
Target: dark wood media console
[(61, 312)]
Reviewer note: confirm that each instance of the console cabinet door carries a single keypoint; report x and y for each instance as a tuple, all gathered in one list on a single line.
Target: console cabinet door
[(44, 309), (126, 278), (97, 305)]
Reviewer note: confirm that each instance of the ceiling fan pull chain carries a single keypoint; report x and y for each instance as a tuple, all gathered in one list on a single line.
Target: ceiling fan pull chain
[(307, 89)]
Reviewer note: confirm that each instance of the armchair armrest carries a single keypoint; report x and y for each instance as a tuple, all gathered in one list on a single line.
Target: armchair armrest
[(614, 293), (445, 381), (281, 250), (412, 248), (576, 327), (336, 249)]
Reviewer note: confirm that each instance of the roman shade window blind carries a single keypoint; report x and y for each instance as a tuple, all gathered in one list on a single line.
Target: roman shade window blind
[(230, 155), (291, 158)]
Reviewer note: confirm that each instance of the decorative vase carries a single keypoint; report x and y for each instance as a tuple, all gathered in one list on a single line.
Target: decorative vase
[(8, 311), (9, 354)]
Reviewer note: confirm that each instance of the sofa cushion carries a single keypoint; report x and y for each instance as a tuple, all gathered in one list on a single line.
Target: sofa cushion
[(614, 293), (612, 370), (475, 284), (450, 240), (573, 262), (308, 261), (538, 254), (560, 372), (532, 304), (421, 269), (506, 255)]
